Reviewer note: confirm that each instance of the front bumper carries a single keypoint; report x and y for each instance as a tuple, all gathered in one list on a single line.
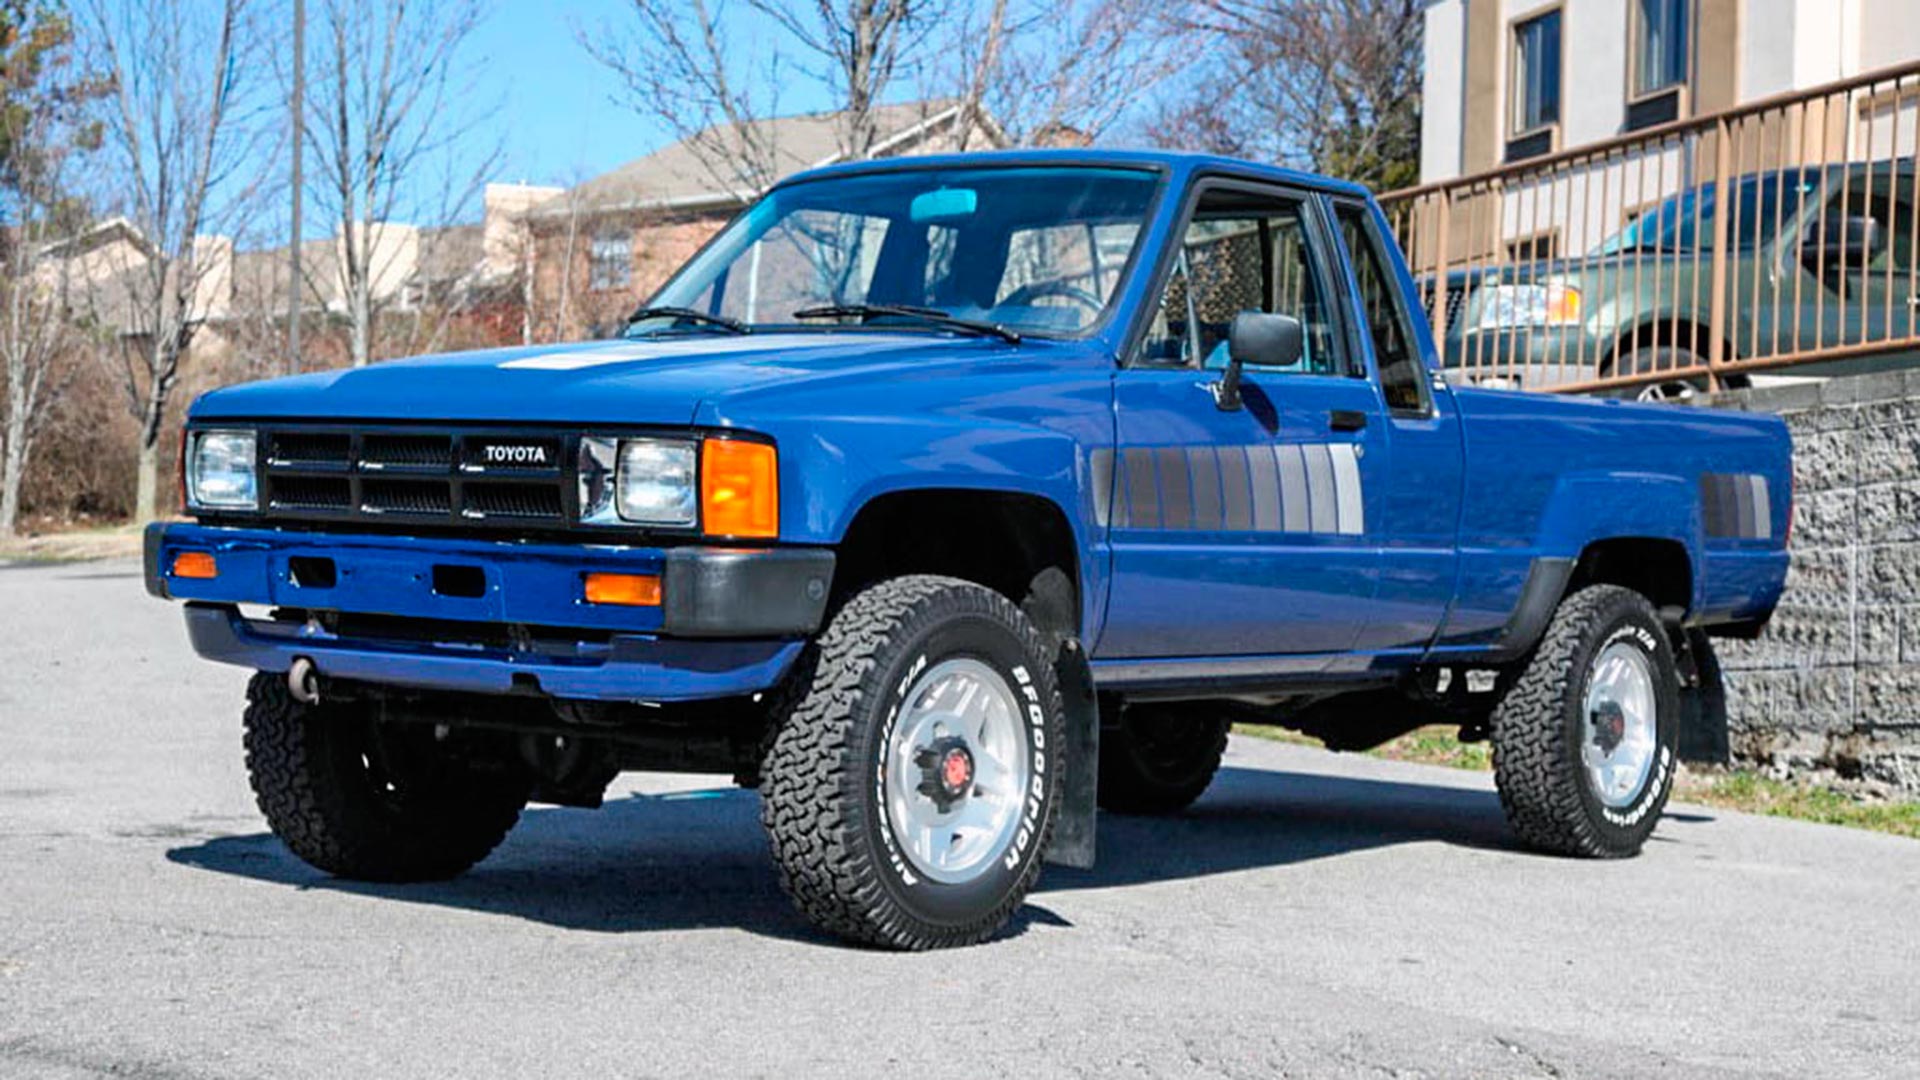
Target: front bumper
[(1522, 359), (730, 621)]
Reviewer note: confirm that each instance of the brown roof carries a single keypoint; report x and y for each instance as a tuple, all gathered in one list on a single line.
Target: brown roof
[(692, 172)]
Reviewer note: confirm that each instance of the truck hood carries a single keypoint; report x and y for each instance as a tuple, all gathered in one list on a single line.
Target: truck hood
[(659, 380)]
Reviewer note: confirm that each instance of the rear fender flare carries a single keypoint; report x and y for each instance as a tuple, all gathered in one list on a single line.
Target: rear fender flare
[(1587, 507)]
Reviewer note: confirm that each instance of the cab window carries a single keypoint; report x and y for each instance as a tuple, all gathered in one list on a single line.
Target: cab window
[(1403, 379), (1242, 251)]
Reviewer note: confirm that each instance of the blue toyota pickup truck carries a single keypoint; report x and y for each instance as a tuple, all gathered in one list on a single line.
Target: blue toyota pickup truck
[(943, 500)]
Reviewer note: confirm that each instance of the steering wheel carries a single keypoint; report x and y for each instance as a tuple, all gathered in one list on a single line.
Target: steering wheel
[(1025, 295)]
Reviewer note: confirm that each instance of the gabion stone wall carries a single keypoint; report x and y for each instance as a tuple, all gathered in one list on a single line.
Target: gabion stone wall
[(1834, 682)]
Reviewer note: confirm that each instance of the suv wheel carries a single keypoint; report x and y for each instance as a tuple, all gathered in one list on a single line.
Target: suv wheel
[(1583, 744), (911, 792), (1651, 358), (368, 800), (1157, 759)]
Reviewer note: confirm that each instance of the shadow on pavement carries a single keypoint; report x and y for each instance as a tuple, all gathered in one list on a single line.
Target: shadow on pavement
[(698, 859)]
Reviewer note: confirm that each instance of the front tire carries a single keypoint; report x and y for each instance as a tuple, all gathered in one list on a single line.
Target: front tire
[(1157, 759), (911, 792), (1583, 744), (367, 800)]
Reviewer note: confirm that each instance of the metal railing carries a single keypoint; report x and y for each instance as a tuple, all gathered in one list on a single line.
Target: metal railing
[(1779, 234)]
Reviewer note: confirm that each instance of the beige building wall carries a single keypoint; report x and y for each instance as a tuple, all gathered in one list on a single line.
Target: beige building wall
[(504, 235), (1743, 50)]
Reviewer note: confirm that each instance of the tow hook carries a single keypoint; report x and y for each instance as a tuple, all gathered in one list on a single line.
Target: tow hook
[(303, 681)]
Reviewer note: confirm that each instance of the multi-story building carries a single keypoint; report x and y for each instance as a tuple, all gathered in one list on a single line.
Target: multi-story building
[(1510, 80), (1706, 190)]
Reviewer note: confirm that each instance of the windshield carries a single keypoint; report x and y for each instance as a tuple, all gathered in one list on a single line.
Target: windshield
[(1035, 250), (1684, 223)]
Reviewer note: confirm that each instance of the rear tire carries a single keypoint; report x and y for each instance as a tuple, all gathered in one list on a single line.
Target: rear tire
[(1157, 759), (911, 792), (370, 801), (1583, 744)]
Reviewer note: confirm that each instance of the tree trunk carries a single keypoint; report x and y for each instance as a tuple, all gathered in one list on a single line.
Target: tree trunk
[(13, 467), (361, 317), (146, 500)]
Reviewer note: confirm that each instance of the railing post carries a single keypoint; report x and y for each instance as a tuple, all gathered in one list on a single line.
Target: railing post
[(1723, 193), (1445, 211)]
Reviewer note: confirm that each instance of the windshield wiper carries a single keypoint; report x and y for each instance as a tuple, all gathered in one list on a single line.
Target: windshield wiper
[(692, 315), (933, 316)]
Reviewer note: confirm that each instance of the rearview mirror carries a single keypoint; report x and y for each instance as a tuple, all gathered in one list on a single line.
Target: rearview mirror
[(1847, 241), (944, 206), (1262, 339)]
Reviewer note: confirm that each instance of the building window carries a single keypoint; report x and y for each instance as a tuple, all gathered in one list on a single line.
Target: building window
[(1659, 45), (1536, 73), (610, 261)]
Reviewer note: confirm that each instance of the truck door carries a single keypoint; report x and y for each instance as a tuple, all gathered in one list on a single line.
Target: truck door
[(1251, 530), (1421, 490)]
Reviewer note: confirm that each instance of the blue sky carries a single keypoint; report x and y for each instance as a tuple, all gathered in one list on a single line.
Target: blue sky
[(560, 112)]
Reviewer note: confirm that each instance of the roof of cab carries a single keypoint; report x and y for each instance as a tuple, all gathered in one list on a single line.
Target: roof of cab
[(1178, 164)]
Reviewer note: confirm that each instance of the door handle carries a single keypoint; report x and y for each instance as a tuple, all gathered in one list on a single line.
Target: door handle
[(1346, 420)]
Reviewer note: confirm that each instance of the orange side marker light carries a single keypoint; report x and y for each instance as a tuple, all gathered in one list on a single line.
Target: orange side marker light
[(195, 564), (627, 590)]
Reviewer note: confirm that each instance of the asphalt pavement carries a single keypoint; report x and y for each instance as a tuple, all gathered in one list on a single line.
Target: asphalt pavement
[(1314, 915)]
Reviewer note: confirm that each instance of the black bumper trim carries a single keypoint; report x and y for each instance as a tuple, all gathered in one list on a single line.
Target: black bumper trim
[(725, 592), (155, 575)]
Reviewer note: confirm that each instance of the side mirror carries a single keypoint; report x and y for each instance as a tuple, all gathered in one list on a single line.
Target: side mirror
[(1258, 338), (1849, 241)]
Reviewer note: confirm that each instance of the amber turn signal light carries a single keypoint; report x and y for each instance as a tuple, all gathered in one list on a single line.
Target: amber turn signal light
[(195, 564), (739, 489), (627, 590)]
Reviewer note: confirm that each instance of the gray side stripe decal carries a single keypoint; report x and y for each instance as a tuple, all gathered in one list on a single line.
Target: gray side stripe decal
[(1321, 512), (1102, 481), (1736, 506), (1300, 488), (1352, 513)]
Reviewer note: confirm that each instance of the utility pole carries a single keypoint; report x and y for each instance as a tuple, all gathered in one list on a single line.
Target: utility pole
[(298, 122)]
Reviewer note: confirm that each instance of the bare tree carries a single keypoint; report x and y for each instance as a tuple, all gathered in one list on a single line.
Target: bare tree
[(45, 89), (674, 60), (175, 136), (390, 100), (1041, 72), (1330, 85)]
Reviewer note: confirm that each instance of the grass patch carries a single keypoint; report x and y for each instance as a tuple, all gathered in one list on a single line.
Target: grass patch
[(1752, 793), (1739, 789), (79, 545)]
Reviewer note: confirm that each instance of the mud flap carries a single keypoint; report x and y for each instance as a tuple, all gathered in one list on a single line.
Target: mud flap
[(1073, 831)]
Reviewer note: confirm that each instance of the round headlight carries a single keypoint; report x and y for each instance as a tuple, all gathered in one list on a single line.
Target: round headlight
[(221, 471)]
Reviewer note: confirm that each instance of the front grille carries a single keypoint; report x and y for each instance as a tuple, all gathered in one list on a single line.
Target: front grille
[(424, 452), (419, 498), (472, 480)]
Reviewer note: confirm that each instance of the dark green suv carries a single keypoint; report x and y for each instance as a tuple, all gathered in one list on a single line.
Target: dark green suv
[(1819, 267)]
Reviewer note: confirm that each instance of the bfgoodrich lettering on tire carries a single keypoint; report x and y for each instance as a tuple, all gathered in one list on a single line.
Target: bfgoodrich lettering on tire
[(1583, 744), (911, 792)]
